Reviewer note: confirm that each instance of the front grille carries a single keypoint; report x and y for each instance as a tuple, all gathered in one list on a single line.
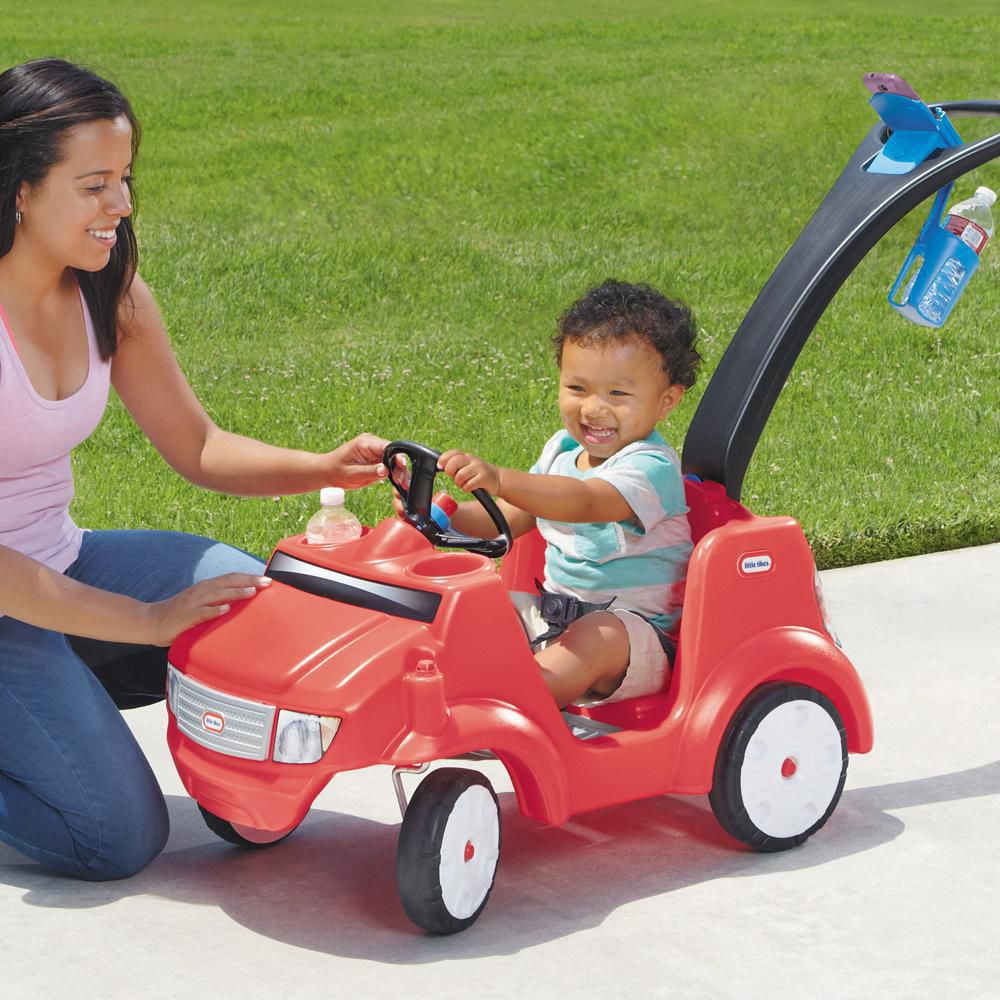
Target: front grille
[(223, 722)]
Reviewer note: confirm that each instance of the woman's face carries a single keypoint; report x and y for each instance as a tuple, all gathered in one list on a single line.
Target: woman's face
[(70, 217)]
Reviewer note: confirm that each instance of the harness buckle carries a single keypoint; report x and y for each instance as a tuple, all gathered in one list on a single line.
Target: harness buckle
[(559, 610)]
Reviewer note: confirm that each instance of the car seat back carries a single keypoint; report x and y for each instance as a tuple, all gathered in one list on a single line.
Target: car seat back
[(709, 507)]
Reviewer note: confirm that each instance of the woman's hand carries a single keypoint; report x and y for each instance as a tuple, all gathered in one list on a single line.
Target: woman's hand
[(357, 463), (470, 473), (201, 603)]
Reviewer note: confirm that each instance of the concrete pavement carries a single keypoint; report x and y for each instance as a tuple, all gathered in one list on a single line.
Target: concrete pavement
[(895, 897)]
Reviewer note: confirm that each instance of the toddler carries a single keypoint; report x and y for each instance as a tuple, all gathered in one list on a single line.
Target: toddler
[(607, 497)]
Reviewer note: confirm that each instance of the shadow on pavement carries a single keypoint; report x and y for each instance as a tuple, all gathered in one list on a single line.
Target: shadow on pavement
[(331, 888)]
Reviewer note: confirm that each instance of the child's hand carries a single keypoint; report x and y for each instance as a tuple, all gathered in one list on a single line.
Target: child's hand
[(165, 620), (470, 473)]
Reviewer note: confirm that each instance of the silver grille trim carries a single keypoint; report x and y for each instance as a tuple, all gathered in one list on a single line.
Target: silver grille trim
[(246, 725)]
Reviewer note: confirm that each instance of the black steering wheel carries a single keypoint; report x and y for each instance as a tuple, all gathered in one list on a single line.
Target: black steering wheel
[(417, 502)]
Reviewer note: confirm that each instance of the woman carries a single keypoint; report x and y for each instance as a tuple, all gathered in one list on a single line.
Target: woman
[(85, 616)]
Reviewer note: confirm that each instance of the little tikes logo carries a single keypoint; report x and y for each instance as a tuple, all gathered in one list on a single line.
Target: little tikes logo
[(213, 722), (753, 563)]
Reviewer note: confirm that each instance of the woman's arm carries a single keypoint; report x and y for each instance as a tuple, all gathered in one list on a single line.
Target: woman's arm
[(555, 498), (147, 377), (34, 594)]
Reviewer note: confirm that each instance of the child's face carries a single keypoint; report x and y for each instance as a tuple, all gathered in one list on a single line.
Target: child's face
[(613, 394)]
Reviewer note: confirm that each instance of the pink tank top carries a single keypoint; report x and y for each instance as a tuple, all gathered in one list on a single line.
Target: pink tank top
[(36, 438)]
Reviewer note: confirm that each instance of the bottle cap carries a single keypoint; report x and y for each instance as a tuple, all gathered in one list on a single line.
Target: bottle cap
[(986, 194), (446, 502), (332, 496)]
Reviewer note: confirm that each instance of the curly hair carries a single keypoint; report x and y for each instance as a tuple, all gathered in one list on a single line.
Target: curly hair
[(617, 310)]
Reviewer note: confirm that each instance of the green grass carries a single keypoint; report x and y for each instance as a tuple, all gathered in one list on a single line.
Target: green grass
[(370, 219)]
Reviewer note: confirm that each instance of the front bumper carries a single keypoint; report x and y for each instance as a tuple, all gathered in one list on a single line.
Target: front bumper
[(221, 745)]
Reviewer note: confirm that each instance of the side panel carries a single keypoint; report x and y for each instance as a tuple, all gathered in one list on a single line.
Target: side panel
[(752, 616), (744, 578)]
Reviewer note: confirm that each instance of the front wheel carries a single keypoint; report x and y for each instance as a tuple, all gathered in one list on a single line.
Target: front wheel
[(448, 850), (781, 767), (237, 833)]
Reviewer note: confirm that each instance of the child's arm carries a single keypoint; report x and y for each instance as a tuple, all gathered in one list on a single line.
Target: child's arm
[(555, 498), (471, 519)]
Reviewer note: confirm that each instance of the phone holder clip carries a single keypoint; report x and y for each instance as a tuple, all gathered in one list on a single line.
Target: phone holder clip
[(915, 131)]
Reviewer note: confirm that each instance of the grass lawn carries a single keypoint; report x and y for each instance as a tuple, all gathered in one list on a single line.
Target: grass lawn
[(367, 217)]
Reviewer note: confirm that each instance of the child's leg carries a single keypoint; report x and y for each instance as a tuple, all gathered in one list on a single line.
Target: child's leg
[(592, 655)]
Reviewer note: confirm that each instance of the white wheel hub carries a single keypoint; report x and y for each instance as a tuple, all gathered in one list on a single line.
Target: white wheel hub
[(470, 850), (791, 769)]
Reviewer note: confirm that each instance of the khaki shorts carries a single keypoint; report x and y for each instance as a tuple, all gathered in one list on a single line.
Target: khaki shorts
[(648, 665)]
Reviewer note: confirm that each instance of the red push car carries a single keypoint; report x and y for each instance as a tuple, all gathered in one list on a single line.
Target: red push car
[(387, 650)]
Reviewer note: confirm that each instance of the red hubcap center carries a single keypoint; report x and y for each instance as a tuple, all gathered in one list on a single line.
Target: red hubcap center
[(470, 850), (788, 767)]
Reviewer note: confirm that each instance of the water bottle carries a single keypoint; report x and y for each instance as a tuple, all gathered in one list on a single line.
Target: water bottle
[(940, 266), (972, 221), (443, 507), (333, 522)]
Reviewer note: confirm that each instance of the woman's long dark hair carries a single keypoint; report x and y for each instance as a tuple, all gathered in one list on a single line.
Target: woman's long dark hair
[(39, 101)]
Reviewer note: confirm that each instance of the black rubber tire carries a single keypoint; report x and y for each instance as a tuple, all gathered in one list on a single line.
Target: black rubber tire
[(419, 850), (726, 797), (224, 829)]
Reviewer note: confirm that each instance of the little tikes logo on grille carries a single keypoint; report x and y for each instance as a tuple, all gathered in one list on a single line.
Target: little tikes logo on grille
[(213, 722), (755, 563)]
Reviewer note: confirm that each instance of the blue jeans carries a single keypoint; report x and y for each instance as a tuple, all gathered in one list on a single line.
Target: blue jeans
[(76, 792)]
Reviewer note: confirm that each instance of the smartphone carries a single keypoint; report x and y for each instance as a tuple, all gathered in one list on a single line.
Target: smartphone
[(889, 83)]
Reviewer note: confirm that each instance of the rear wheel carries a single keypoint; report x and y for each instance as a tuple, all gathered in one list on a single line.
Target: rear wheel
[(781, 767), (237, 833), (448, 850)]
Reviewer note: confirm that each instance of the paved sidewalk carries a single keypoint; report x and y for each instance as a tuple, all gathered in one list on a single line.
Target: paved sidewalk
[(895, 897)]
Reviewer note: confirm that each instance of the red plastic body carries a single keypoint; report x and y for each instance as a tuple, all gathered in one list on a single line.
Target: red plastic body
[(411, 691)]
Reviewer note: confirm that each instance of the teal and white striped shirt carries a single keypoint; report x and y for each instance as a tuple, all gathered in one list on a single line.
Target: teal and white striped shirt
[(642, 564)]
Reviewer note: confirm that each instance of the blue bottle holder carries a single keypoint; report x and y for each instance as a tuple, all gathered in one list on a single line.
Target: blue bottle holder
[(934, 276), (939, 266)]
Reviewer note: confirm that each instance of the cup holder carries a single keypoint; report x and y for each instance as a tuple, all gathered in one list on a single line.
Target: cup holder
[(445, 564)]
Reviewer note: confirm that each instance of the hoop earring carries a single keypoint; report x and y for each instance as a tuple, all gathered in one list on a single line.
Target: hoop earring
[(17, 218)]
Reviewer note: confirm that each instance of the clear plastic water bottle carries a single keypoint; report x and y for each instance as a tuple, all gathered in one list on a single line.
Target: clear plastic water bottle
[(333, 522), (962, 237), (971, 220), (443, 507)]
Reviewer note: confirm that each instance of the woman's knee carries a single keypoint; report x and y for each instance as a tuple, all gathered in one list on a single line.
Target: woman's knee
[(128, 843), (153, 565)]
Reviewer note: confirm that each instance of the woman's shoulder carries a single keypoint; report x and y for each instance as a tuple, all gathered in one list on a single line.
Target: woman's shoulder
[(138, 311), (138, 293)]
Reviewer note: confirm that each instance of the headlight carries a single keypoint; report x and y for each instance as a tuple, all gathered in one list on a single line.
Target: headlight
[(303, 739)]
